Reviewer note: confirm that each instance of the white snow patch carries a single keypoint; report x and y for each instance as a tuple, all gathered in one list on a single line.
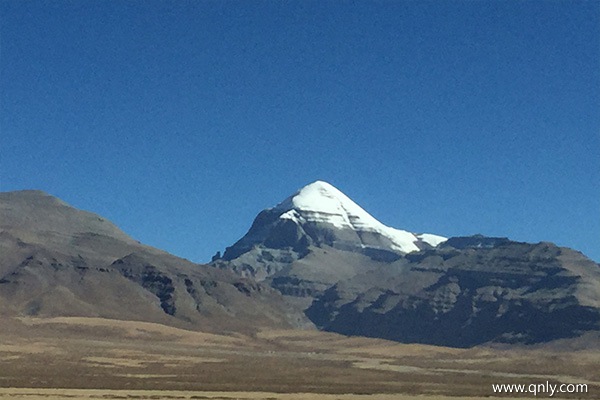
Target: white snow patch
[(293, 215), (432, 239)]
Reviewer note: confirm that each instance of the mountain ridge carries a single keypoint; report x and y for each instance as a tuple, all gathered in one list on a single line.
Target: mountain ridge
[(338, 276), (60, 261), (351, 278)]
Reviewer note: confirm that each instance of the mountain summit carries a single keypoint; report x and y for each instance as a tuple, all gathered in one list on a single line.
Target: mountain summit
[(320, 214), (321, 202)]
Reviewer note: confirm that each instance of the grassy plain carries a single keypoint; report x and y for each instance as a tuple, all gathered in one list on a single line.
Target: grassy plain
[(93, 358)]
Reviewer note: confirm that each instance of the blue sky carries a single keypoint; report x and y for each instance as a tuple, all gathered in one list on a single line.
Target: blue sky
[(181, 120)]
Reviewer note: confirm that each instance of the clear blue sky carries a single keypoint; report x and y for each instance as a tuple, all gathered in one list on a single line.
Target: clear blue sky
[(181, 120)]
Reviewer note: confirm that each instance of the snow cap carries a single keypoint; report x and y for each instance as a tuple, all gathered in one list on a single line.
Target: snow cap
[(321, 202)]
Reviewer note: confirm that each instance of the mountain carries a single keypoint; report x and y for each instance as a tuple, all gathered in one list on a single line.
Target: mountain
[(354, 275), (313, 239), (60, 261), (315, 259), (320, 215)]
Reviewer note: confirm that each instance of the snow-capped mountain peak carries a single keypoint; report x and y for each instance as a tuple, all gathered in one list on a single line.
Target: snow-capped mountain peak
[(321, 202)]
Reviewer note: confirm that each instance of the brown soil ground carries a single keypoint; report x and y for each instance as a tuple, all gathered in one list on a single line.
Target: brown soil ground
[(92, 358)]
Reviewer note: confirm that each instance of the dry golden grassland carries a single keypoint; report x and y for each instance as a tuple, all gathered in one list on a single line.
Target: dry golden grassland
[(86, 358), (84, 394)]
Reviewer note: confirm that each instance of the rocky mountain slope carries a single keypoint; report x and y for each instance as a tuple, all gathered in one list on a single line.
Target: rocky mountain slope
[(356, 276), (56, 260), (467, 295)]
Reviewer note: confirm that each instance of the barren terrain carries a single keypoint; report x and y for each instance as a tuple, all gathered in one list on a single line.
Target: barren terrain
[(81, 358)]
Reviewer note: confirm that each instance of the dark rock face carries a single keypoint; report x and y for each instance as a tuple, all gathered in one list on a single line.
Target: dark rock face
[(269, 232), (503, 291), (152, 279), (258, 231), (474, 242), (272, 244), (296, 287)]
